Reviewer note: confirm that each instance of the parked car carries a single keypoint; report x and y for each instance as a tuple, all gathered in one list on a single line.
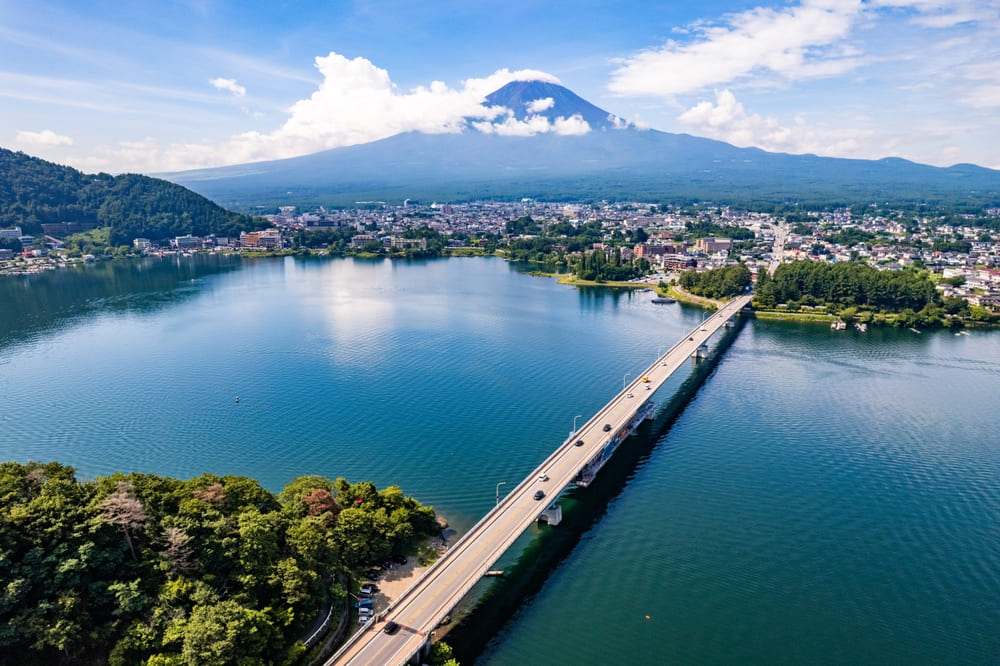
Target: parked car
[(539, 494), (369, 588), (363, 603)]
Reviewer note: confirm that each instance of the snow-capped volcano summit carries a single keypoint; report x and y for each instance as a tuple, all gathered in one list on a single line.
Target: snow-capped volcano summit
[(528, 101)]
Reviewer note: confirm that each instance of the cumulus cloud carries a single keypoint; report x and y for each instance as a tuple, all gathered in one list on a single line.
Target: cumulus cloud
[(230, 85), (798, 42), (356, 102), (43, 139), (727, 120), (575, 125), (539, 105)]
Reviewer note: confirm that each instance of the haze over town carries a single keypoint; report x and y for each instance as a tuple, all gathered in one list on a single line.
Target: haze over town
[(156, 87)]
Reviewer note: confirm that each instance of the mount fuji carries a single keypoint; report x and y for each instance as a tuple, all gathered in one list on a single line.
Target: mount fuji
[(547, 143)]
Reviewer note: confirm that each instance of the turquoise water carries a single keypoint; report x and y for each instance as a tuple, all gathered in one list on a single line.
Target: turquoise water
[(823, 497)]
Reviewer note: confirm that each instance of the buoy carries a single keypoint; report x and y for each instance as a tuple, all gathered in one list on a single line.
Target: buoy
[(647, 617), (237, 398)]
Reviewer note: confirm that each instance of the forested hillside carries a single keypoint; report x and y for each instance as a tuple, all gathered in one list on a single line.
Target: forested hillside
[(33, 192), (139, 568)]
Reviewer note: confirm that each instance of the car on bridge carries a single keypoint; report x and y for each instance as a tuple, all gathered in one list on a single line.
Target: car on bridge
[(391, 627), (607, 427), (579, 442), (539, 494)]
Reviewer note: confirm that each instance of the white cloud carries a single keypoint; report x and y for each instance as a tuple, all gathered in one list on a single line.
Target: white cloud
[(356, 102), (981, 97), (728, 121), (798, 42), (575, 125), (540, 105), (230, 85), (944, 13), (43, 139)]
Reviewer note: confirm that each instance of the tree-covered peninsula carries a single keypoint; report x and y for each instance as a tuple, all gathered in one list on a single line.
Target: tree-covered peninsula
[(34, 192), (145, 569)]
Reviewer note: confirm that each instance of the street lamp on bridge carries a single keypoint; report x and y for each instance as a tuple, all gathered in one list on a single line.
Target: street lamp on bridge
[(574, 424), (498, 490)]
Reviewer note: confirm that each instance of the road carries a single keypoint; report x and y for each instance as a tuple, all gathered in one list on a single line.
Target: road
[(422, 607)]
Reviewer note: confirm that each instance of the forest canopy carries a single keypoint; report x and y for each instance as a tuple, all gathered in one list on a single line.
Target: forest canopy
[(35, 192), (141, 568)]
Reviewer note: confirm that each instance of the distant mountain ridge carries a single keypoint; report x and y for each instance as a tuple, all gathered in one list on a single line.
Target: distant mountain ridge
[(607, 159), (34, 191)]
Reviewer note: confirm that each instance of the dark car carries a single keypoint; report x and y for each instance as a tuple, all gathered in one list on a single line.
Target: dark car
[(391, 627), (607, 427), (368, 588), (539, 494), (579, 442)]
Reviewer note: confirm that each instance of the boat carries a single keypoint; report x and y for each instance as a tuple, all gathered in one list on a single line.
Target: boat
[(861, 327), (838, 325), (663, 299), (590, 470), (915, 330)]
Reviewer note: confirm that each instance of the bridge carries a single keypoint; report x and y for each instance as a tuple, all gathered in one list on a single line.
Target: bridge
[(425, 603)]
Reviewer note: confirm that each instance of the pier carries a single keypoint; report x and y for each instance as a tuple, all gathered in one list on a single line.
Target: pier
[(432, 597)]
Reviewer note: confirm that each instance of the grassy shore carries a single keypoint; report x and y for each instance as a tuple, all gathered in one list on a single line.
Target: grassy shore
[(794, 316)]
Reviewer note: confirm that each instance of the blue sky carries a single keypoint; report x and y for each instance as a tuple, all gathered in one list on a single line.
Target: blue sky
[(166, 86)]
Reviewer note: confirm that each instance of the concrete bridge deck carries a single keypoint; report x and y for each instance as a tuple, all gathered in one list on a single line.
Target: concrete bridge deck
[(422, 607)]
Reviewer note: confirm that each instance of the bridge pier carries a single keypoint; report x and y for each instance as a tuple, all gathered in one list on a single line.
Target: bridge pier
[(552, 515), (700, 352)]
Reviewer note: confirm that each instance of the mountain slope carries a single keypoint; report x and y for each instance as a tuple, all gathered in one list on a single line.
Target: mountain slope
[(607, 162), (33, 192)]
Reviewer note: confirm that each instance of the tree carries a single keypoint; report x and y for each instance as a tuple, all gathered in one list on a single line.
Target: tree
[(178, 553), (225, 633), (441, 654), (124, 510)]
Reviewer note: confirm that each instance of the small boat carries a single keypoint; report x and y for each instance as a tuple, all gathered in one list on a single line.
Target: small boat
[(495, 573), (838, 325), (861, 327), (663, 299), (915, 330), (237, 398)]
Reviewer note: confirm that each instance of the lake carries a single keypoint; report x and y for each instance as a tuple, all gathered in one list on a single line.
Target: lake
[(816, 496)]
